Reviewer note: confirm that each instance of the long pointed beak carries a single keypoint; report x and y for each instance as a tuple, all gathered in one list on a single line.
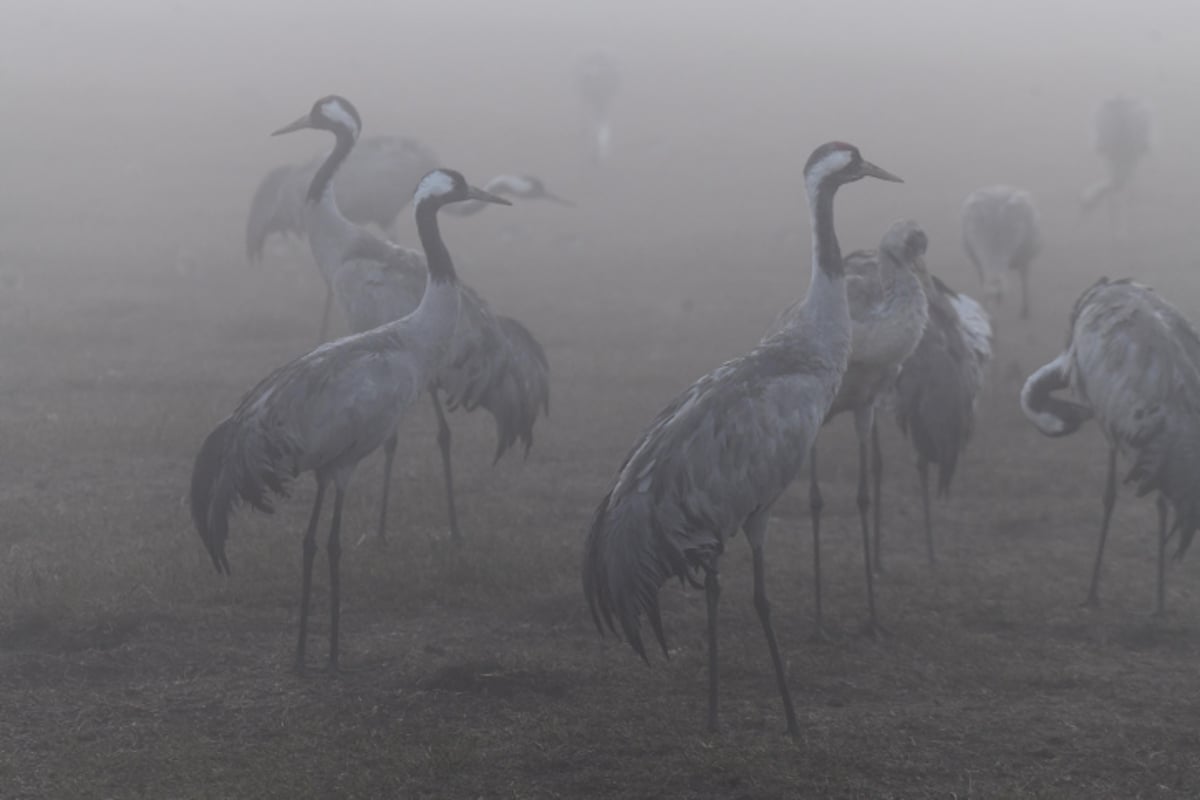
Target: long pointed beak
[(869, 170), (562, 201), (298, 125), (475, 193)]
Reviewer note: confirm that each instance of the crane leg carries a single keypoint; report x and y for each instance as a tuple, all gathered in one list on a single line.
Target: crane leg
[(756, 534), (443, 440), (389, 456), (712, 594), (310, 551), (334, 549), (863, 420), (815, 503), (1160, 599), (325, 313), (877, 475), (1110, 499), (923, 473)]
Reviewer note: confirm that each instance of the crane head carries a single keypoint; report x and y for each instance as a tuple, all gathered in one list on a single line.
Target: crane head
[(905, 243), (839, 163), (332, 113), (443, 186)]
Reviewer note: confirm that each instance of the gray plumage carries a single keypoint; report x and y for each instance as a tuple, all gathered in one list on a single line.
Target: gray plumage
[(1001, 234), (372, 187), (1121, 136), (718, 457), (938, 387), (327, 410), (1132, 361), (494, 361), (888, 314), (598, 79)]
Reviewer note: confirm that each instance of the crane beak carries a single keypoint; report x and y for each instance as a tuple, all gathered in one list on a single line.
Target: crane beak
[(562, 201), (869, 170), (475, 193), (299, 125)]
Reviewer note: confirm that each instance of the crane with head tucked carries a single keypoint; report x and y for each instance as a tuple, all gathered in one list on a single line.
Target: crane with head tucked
[(1132, 361), (1001, 234), (494, 363), (887, 313), (718, 457), (328, 410), (936, 393)]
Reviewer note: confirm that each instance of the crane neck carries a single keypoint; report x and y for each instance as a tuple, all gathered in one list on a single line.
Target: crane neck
[(437, 257), (827, 253), (322, 182)]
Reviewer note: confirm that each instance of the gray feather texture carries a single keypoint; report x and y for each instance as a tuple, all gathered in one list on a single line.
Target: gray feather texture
[(373, 186)]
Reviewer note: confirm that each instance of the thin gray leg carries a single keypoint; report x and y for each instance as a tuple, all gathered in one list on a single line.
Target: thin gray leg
[(310, 551), (1109, 499), (923, 473), (334, 549), (389, 456), (877, 474), (712, 594), (443, 440), (756, 534), (815, 503), (863, 420), (1160, 602)]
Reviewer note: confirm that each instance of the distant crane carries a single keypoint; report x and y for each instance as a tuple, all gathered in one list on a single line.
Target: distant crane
[(598, 79), (888, 314), (937, 390), (522, 187), (718, 457), (495, 362), (327, 410), (1001, 234), (1132, 361), (1121, 136)]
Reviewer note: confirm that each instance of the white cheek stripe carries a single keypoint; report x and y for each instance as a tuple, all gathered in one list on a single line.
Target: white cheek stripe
[(338, 113), (838, 159), (433, 184)]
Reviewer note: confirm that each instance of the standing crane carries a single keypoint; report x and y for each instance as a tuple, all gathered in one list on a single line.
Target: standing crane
[(1132, 361), (936, 392), (494, 363), (597, 79), (1001, 234), (1121, 136), (718, 457), (373, 186), (328, 410), (888, 314)]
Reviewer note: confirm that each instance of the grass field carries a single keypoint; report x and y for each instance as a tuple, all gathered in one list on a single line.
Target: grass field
[(129, 669)]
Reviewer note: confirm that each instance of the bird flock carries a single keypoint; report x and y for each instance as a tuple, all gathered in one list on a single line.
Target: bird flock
[(876, 334)]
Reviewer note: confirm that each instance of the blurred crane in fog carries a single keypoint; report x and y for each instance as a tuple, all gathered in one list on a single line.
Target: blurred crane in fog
[(373, 186), (1121, 135), (887, 313), (1132, 361), (937, 390), (326, 411), (494, 363), (718, 457), (1001, 235), (598, 80)]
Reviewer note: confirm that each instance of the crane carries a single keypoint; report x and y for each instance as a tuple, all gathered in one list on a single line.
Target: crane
[(936, 393), (718, 457), (327, 410), (1133, 362), (1121, 135), (1001, 234), (888, 314), (494, 363), (598, 79)]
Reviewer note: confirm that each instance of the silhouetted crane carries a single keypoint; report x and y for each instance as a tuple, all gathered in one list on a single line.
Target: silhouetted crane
[(718, 457), (1001, 234), (1132, 361), (598, 80), (1121, 136), (326, 411)]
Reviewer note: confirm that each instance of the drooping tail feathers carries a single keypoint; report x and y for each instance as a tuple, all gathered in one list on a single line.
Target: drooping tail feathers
[(627, 558), (1167, 460), (235, 464)]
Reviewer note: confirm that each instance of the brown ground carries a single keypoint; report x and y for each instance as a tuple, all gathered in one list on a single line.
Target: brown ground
[(129, 327)]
